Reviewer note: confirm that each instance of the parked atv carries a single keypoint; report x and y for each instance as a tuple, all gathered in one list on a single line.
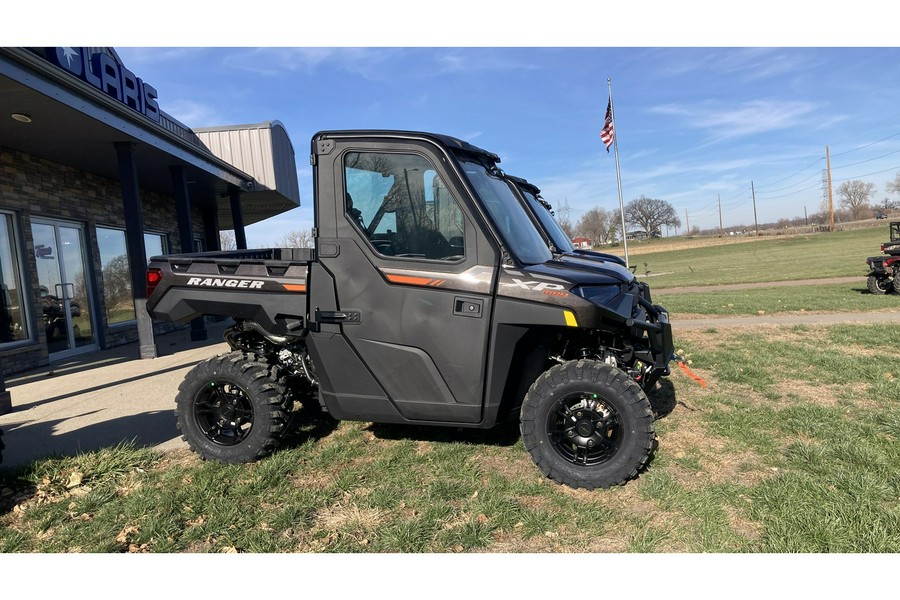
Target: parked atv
[(884, 270)]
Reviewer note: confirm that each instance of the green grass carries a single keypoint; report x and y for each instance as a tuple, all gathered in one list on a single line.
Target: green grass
[(819, 255), (778, 300), (791, 448)]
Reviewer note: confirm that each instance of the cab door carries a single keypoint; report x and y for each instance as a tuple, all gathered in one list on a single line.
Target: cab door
[(406, 275)]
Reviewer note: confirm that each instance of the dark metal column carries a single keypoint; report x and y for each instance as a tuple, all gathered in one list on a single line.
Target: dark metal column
[(237, 217), (134, 240), (5, 398), (186, 235), (210, 214), (182, 208)]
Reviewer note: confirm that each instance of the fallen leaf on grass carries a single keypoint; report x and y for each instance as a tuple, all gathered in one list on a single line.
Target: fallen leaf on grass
[(75, 479), (122, 538)]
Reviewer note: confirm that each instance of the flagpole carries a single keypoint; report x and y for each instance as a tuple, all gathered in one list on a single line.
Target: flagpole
[(612, 111)]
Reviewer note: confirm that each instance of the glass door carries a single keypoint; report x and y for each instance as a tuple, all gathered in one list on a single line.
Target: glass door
[(62, 268)]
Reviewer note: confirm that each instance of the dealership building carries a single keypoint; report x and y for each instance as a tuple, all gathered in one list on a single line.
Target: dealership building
[(95, 178)]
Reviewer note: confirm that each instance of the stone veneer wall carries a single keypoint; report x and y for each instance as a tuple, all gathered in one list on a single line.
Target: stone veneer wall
[(35, 187)]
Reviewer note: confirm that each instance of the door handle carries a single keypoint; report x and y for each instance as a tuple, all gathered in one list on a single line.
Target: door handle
[(331, 316), (468, 307), (62, 291), (337, 316)]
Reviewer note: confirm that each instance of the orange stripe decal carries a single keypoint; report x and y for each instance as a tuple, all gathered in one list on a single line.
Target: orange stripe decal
[(295, 287), (408, 280)]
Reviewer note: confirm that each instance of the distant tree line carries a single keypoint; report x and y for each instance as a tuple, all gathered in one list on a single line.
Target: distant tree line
[(602, 226)]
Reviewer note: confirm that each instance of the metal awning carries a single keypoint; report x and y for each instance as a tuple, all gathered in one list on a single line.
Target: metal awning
[(75, 124)]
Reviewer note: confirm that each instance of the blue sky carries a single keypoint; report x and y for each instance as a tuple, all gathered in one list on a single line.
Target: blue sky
[(696, 123)]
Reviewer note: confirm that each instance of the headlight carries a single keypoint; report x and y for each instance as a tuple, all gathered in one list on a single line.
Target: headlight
[(598, 294)]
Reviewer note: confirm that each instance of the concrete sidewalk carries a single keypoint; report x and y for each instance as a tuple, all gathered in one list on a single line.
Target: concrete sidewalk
[(102, 399)]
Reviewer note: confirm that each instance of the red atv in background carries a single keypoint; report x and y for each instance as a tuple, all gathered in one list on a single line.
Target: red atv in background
[(884, 270)]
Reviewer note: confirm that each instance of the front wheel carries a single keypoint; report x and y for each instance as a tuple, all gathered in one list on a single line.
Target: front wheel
[(587, 425), (231, 408)]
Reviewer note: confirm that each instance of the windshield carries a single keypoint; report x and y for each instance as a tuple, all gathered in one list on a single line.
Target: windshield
[(557, 235), (508, 214)]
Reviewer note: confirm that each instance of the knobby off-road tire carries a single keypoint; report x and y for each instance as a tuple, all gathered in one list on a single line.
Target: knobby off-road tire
[(587, 425), (232, 409), (897, 281), (878, 285)]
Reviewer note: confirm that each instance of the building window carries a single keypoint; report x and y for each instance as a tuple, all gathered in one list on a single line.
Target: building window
[(155, 245), (117, 296), (401, 205), (117, 293), (13, 318)]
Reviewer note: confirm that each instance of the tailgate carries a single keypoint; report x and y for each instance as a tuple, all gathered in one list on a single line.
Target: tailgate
[(271, 292)]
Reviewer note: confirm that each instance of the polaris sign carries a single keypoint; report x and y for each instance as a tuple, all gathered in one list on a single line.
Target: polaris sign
[(104, 73)]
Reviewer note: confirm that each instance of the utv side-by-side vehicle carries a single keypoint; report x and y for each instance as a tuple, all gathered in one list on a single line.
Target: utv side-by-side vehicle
[(430, 298), (884, 270)]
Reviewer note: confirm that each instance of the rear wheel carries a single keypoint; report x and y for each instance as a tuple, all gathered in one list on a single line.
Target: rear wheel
[(878, 285), (231, 408), (587, 425), (897, 280)]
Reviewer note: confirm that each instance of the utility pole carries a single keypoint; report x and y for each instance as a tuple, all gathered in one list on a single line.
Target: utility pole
[(721, 229), (805, 216), (755, 222), (687, 222), (830, 200)]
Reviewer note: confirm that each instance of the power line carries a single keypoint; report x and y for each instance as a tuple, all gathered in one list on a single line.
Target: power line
[(870, 174), (865, 161), (789, 176), (869, 144)]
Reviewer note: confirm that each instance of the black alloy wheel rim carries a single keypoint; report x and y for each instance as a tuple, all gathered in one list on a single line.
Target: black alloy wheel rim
[(223, 413), (584, 429)]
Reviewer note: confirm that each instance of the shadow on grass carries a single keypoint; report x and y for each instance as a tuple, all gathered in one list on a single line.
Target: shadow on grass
[(662, 399), (309, 423), (505, 434)]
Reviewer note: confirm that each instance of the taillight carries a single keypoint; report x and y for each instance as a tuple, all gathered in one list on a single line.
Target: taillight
[(154, 276)]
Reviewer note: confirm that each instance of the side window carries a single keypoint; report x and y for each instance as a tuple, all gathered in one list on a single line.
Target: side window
[(402, 206)]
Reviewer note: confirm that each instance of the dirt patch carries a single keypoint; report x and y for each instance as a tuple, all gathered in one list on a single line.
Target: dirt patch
[(513, 466), (700, 458), (763, 284)]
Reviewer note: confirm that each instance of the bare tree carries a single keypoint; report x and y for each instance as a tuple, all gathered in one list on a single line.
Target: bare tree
[(598, 224), (651, 214), (227, 240), (297, 239), (886, 205), (567, 226), (894, 186), (855, 195)]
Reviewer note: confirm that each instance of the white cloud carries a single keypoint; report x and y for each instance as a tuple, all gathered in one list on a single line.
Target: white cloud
[(749, 118), (193, 114)]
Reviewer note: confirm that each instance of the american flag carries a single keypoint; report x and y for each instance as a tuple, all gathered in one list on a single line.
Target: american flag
[(608, 132)]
